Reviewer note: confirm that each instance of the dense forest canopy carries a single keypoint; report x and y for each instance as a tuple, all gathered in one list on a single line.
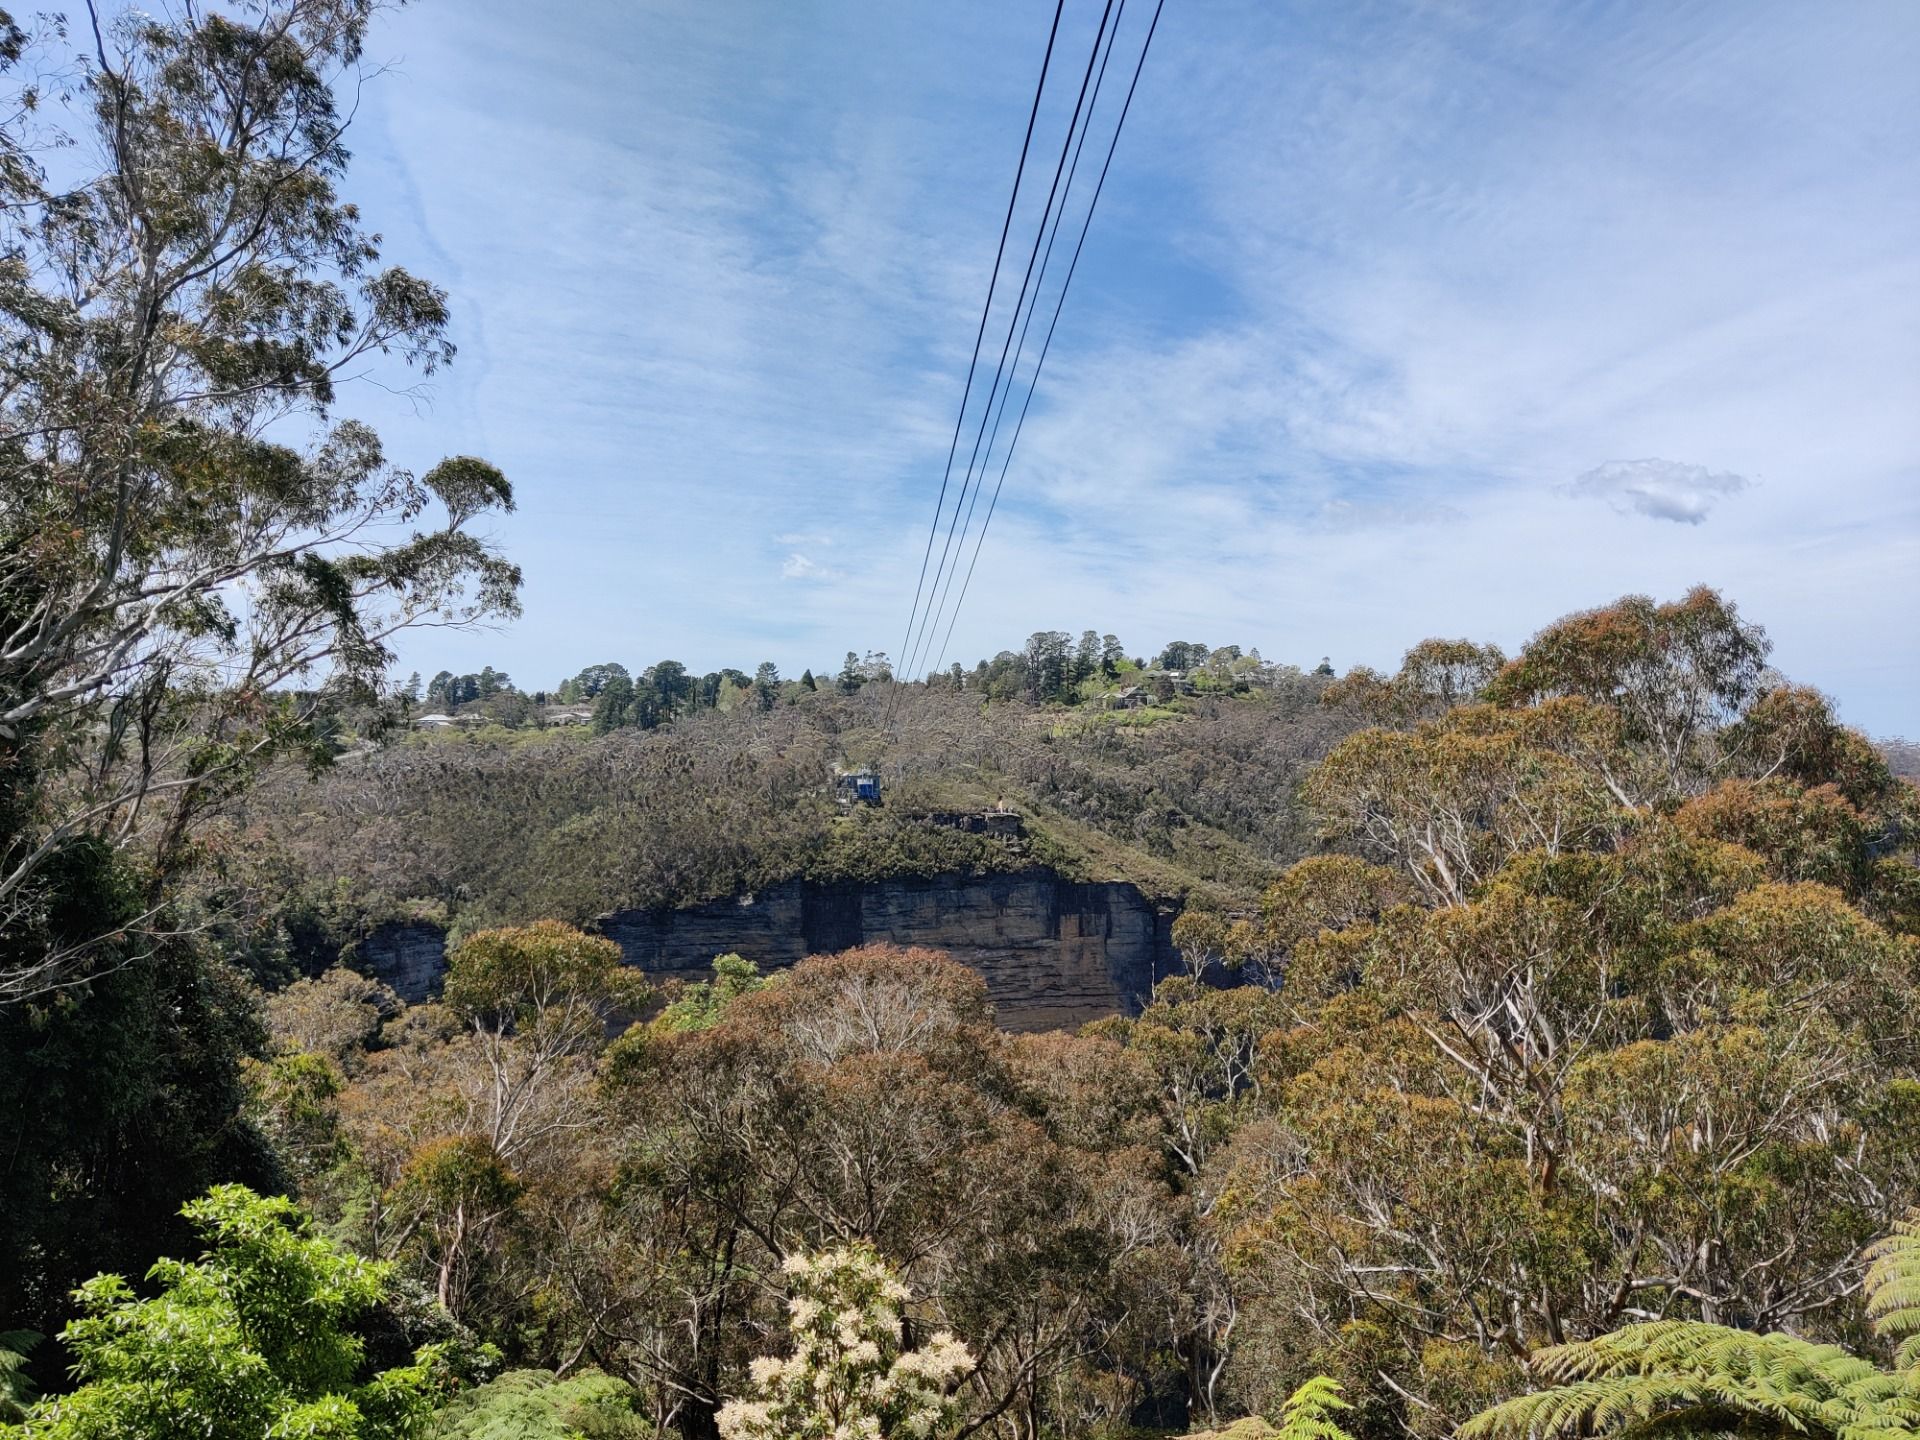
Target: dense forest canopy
[(1577, 998)]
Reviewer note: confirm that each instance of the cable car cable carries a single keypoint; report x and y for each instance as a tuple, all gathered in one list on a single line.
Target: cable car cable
[(1006, 225), (917, 649), (1021, 423), (946, 589)]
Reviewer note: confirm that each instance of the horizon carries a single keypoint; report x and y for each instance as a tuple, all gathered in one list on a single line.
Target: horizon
[(1390, 324)]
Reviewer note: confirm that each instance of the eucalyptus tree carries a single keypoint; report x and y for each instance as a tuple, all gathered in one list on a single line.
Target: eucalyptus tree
[(199, 557), (1615, 1033)]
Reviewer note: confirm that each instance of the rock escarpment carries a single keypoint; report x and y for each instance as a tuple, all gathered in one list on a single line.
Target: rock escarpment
[(1054, 953), (410, 956)]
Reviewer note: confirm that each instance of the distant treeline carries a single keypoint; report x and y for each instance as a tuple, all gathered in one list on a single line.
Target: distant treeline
[(1051, 668)]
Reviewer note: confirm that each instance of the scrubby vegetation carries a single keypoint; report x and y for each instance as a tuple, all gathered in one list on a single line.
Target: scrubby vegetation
[(719, 803)]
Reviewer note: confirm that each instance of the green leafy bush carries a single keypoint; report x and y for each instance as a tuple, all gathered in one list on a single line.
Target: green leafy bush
[(252, 1339), (536, 1405)]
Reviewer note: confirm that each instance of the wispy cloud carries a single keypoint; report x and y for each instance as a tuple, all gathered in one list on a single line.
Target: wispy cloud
[(1371, 515), (803, 567), (1366, 282), (1661, 489)]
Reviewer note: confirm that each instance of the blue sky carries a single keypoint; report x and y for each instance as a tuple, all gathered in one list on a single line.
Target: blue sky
[(1396, 320)]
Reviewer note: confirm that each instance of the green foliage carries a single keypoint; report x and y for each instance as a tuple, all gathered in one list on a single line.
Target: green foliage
[(293, 1099), (1683, 1377), (178, 603), (1206, 1048), (876, 843), (1614, 1024), (1677, 675), (701, 1005), (253, 1339), (16, 1386), (546, 976), (1435, 676), (1251, 1427), (1575, 1026), (458, 1174), (1311, 1412), (1893, 1290), (536, 1405), (719, 804), (120, 1098)]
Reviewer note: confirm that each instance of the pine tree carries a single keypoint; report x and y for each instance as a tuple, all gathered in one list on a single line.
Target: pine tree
[(1086, 657)]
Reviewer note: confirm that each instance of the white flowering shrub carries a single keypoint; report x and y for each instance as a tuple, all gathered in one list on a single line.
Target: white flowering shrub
[(847, 1378)]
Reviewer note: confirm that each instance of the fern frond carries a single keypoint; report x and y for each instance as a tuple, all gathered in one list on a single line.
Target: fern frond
[(17, 1390), (1617, 1404), (1686, 1377), (1893, 1288), (1688, 1380), (1309, 1412)]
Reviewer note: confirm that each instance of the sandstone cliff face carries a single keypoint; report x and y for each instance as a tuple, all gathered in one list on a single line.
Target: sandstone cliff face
[(1053, 953), (409, 956)]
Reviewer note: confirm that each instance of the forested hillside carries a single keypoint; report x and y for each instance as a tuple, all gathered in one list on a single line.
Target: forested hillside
[(1192, 795)]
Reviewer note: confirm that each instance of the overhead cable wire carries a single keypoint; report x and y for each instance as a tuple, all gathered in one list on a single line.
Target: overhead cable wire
[(945, 588), (917, 648), (1047, 345), (1006, 225)]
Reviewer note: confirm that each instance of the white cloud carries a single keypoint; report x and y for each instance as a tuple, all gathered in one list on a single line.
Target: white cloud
[(1662, 489), (804, 567)]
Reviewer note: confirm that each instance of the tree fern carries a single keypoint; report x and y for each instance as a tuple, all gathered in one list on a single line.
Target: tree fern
[(1685, 1378), (17, 1389), (1307, 1414), (1893, 1290)]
